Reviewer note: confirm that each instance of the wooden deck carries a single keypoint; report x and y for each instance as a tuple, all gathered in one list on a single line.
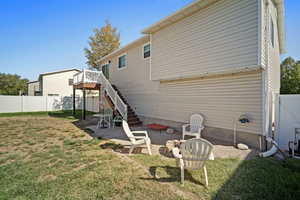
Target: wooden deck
[(88, 86)]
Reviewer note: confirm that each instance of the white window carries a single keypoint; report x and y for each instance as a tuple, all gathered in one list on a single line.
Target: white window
[(70, 81), (272, 32), (122, 61), (147, 50)]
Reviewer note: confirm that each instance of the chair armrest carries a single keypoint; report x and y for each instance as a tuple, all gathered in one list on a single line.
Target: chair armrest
[(140, 132), (176, 154), (140, 137), (185, 126)]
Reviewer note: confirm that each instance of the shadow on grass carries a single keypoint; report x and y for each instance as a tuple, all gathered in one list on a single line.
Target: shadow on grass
[(124, 149), (173, 175), (69, 114), (258, 178), (111, 145), (262, 178)]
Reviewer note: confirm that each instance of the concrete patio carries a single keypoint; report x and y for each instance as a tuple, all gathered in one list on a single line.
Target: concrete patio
[(159, 139)]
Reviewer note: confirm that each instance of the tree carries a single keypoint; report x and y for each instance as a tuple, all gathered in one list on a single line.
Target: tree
[(12, 84), (290, 76), (104, 41)]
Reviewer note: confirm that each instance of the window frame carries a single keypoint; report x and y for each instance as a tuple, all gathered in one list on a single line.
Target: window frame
[(272, 32), (103, 65), (118, 63), (148, 43), (71, 81)]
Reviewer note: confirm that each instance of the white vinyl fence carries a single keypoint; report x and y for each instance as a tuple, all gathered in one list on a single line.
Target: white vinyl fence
[(9, 104), (289, 119)]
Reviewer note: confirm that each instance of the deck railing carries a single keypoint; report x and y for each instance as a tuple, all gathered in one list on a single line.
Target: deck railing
[(89, 76)]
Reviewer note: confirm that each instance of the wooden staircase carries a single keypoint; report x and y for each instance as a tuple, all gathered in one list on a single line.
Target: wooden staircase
[(132, 118)]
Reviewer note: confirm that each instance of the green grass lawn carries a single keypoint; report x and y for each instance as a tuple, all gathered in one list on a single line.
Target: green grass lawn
[(47, 156)]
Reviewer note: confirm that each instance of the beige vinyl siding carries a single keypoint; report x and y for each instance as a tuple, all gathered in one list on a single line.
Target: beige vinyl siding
[(135, 77), (58, 83), (219, 99), (221, 37), (33, 87)]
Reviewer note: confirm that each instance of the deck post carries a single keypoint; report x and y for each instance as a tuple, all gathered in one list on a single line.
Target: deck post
[(74, 107), (100, 99), (84, 102)]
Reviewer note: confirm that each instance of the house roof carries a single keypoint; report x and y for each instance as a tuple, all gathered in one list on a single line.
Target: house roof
[(200, 4), (61, 71), (57, 72), (32, 82), (140, 40)]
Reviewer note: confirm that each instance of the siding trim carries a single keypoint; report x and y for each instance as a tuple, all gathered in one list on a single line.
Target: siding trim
[(213, 76), (214, 73), (265, 94), (260, 32), (151, 50)]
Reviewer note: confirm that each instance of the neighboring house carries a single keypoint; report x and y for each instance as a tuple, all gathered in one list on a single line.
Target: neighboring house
[(33, 88), (220, 58), (58, 83)]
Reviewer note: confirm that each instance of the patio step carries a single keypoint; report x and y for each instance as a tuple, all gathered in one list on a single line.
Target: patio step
[(132, 118)]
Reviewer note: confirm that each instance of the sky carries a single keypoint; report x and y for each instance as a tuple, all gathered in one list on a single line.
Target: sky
[(38, 36)]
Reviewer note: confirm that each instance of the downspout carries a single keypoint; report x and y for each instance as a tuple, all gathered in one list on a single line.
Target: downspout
[(265, 78)]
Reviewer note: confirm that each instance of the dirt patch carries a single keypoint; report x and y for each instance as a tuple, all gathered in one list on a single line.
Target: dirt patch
[(48, 177)]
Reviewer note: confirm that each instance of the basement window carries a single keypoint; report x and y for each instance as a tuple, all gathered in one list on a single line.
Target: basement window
[(122, 61), (147, 50)]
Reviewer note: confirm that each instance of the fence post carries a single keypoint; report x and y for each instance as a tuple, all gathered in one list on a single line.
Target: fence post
[(46, 103), (277, 117), (22, 104)]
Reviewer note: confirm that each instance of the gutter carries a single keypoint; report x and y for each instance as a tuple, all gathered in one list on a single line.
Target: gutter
[(281, 24)]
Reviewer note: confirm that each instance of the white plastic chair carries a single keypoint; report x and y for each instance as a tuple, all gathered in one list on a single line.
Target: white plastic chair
[(195, 126), (116, 120), (137, 140), (194, 154)]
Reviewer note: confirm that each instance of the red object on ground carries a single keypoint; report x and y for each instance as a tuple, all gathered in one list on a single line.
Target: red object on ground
[(157, 127)]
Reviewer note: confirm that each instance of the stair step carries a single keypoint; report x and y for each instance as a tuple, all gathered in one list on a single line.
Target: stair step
[(132, 118), (135, 123), (131, 114)]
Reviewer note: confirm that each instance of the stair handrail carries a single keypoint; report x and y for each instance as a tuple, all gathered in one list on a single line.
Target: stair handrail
[(91, 76), (114, 96)]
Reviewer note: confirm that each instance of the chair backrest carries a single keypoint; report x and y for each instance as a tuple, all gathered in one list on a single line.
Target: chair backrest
[(128, 131), (196, 122), (195, 152)]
